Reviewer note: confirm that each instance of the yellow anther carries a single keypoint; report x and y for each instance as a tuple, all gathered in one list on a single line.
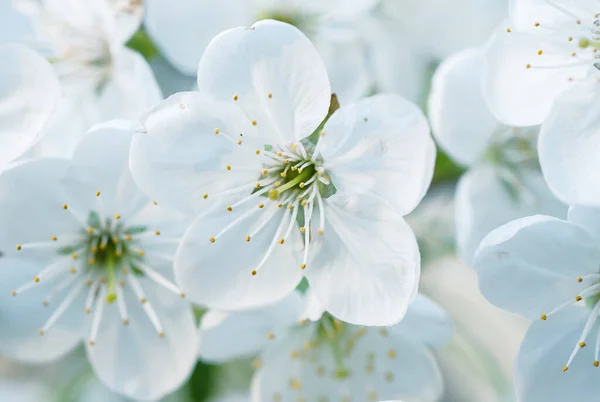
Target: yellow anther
[(90, 230), (303, 203), (582, 344), (281, 241), (389, 376), (578, 22), (157, 232), (239, 142), (41, 332), (579, 279), (128, 237), (321, 232), (53, 238), (261, 205), (229, 208), (570, 39), (36, 279), (141, 253), (302, 266), (88, 282), (154, 203), (294, 146), (508, 30), (74, 256), (161, 334), (294, 354), (181, 106), (540, 52), (13, 292), (256, 363), (126, 322), (596, 363), (295, 385), (122, 283), (302, 229), (257, 185), (115, 239), (87, 310), (248, 238), (578, 298), (528, 65), (253, 272), (65, 207), (143, 300), (257, 151), (565, 368), (125, 271), (72, 271), (280, 154), (97, 193), (91, 343), (205, 196), (270, 95), (254, 123), (283, 174), (277, 183), (290, 207), (543, 317), (182, 295), (212, 240), (302, 185), (217, 131), (270, 336), (392, 353), (383, 332), (235, 97), (279, 205), (117, 217), (19, 247), (228, 167), (265, 172), (537, 24)]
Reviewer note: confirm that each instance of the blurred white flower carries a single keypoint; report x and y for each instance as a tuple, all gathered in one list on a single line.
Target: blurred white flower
[(91, 242), (544, 47), (281, 195), (568, 142), (313, 360), (29, 91), (547, 269), (503, 181), (102, 79)]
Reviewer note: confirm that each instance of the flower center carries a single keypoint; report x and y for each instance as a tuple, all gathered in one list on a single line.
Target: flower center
[(588, 297), (105, 255)]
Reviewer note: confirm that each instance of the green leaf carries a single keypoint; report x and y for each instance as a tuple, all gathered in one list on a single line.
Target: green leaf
[(445, 169), (142, 43)]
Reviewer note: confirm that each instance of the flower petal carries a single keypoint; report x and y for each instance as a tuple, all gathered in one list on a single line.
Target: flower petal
[(484, 202), (188, 143), (461, 121), (23, 315), (132, 359), (197, 23), (277, 75), (530, 266), (219, 275), (567, 145), (365, 267), (520, 85), (425, 322), (544, 352), (586, 217), (550, 16), (380, 146), (236, 335), (28, 94)]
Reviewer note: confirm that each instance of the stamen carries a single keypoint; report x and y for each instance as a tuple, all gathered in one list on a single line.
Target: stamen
[(159, 279), (122, 306), (273, 243), (62, 285), (237, 221), (597, 351), (292, 221), (255, 194), (64, 305), (586, 330), (98, 313), (91, 296), (321, 214)]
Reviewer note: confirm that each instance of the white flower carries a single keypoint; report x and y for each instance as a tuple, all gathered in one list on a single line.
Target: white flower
[(503, 181), (79, 237), (568, 142), (29, 91), (547, 269), (102, 78), (543, 48), (328, 359), (276, 202), (330, 25)]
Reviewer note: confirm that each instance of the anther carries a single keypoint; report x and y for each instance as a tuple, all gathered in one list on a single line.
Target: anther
[(582, 344), (205, 196), (321, 232), (578, 298), (235, 97), (74, 256), (302, 185), (157, 232), (254, 123), (72, 271), (270, 336), (270, 95), (65, 207), (217, 131), (537, 24), (543, 317), (90, 230), (97, 193), (126, 322), (281, 241), (53, 238), (596, 363), (41, 332), (248, 239), (212, 240), (154, 203), (565, 368), (36, 279), (91, 343), (13, 293), (19, 247), (257, 185), (528, 66), (161, 334), (88, 310), (508, 30), (253, 272), (117, 217), (257, 151), (579, 279), (261, 205), (229, 208), (302, 266), (228, 167), (540, 52), (143, 300)]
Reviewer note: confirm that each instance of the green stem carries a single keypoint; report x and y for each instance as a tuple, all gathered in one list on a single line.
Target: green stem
[(305, 175)]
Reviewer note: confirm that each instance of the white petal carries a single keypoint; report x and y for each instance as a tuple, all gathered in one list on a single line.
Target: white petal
[(586, 217), (530, 266), (277, 74), (131, 90), (197, 23), (460, 120), (180, 157), (29, 92), (554, 18), (365, 267), (132, 359), (101, 163), (23, 315), (380, 146), (519, 95), (484, 201), (425, 322), (544, 352), (236, 335), (567, 143), (219, 275), (411, 371)]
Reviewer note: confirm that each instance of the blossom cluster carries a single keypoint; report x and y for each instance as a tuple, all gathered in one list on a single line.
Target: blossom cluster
[(299, 201)]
